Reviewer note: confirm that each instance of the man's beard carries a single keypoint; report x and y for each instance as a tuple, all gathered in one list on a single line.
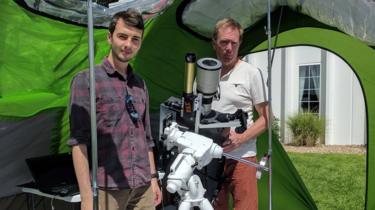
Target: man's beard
[(119, 58)]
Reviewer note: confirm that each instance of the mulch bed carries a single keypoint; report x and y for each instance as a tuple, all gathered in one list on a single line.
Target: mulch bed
[(327, 149)]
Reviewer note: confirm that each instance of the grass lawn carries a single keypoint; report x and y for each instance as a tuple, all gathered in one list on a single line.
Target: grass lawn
[(335, 181)]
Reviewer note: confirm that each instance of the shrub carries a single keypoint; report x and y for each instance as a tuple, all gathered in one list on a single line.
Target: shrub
[(306, 128), (276, 128)]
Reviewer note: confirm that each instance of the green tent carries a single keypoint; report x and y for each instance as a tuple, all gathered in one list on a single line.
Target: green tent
[(40, 54)]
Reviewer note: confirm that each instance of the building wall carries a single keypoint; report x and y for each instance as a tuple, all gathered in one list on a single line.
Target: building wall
[(341, 102), (345, 117)]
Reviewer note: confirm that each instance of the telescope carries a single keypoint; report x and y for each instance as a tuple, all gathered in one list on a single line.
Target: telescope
[(180, 122), (208, 77)]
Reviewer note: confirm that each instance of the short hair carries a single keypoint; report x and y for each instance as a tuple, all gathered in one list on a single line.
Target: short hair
[(131, 17), (227, 22)]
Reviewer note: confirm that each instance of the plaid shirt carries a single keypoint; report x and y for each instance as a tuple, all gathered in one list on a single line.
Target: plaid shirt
[(123, 146)]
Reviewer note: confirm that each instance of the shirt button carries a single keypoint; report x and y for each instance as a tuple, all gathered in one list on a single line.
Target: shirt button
[(131, 132)]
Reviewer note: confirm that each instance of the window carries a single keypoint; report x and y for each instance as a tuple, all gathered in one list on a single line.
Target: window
[(309, 88)]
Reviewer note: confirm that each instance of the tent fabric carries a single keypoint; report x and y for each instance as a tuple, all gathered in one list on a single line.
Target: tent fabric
[(288, 189), (39, 56), (76, 11), (355, 18), (21, 139)]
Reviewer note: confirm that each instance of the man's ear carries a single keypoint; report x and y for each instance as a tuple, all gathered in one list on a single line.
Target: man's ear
[(109, 37), (213, 42)]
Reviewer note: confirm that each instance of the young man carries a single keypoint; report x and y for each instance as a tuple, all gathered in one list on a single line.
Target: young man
[(126, 168), (241, 87)]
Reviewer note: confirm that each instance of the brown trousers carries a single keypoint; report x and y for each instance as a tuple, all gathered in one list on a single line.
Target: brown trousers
[(128, 199), (240, 181)]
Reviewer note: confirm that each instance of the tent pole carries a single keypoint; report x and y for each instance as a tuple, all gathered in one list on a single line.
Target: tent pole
[(94, 148), (270, 115)]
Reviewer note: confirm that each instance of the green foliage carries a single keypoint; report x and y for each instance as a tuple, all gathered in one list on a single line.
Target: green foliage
[(306, 128), (276, 128), (335, 181)]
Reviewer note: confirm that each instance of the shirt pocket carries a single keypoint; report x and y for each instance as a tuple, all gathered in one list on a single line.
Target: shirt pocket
[(109, 110)]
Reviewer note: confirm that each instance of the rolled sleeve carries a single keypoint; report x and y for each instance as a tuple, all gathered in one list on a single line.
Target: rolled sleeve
[(79, 112)]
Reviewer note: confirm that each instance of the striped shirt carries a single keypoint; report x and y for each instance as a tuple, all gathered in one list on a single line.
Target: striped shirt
[(123, 145)]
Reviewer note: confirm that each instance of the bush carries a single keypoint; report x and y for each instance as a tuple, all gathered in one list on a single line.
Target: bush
[(276, 128), (306, 128)]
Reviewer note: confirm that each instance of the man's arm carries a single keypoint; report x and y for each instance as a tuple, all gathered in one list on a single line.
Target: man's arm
[(154, 181), (257, 128), (80, 127), (81, 167)]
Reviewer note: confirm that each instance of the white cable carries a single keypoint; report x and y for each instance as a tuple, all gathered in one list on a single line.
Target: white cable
[(52, 207)]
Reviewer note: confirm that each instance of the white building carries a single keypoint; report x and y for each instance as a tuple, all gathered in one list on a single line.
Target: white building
[(313, 79)]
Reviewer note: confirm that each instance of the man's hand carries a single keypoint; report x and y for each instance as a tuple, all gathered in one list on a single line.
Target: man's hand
[(156, 190), (233, 142)]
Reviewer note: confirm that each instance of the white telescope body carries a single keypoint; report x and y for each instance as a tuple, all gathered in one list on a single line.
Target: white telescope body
[(208, 77), (195, 151), (180, 173), (201, 148)]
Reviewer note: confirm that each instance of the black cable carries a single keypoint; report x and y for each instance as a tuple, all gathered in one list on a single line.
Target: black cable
[(276, 35)]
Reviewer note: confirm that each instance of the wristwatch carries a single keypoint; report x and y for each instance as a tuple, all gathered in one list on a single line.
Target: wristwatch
[(155, 175)]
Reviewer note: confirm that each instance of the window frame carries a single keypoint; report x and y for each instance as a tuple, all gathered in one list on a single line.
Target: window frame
[(309, 89)]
